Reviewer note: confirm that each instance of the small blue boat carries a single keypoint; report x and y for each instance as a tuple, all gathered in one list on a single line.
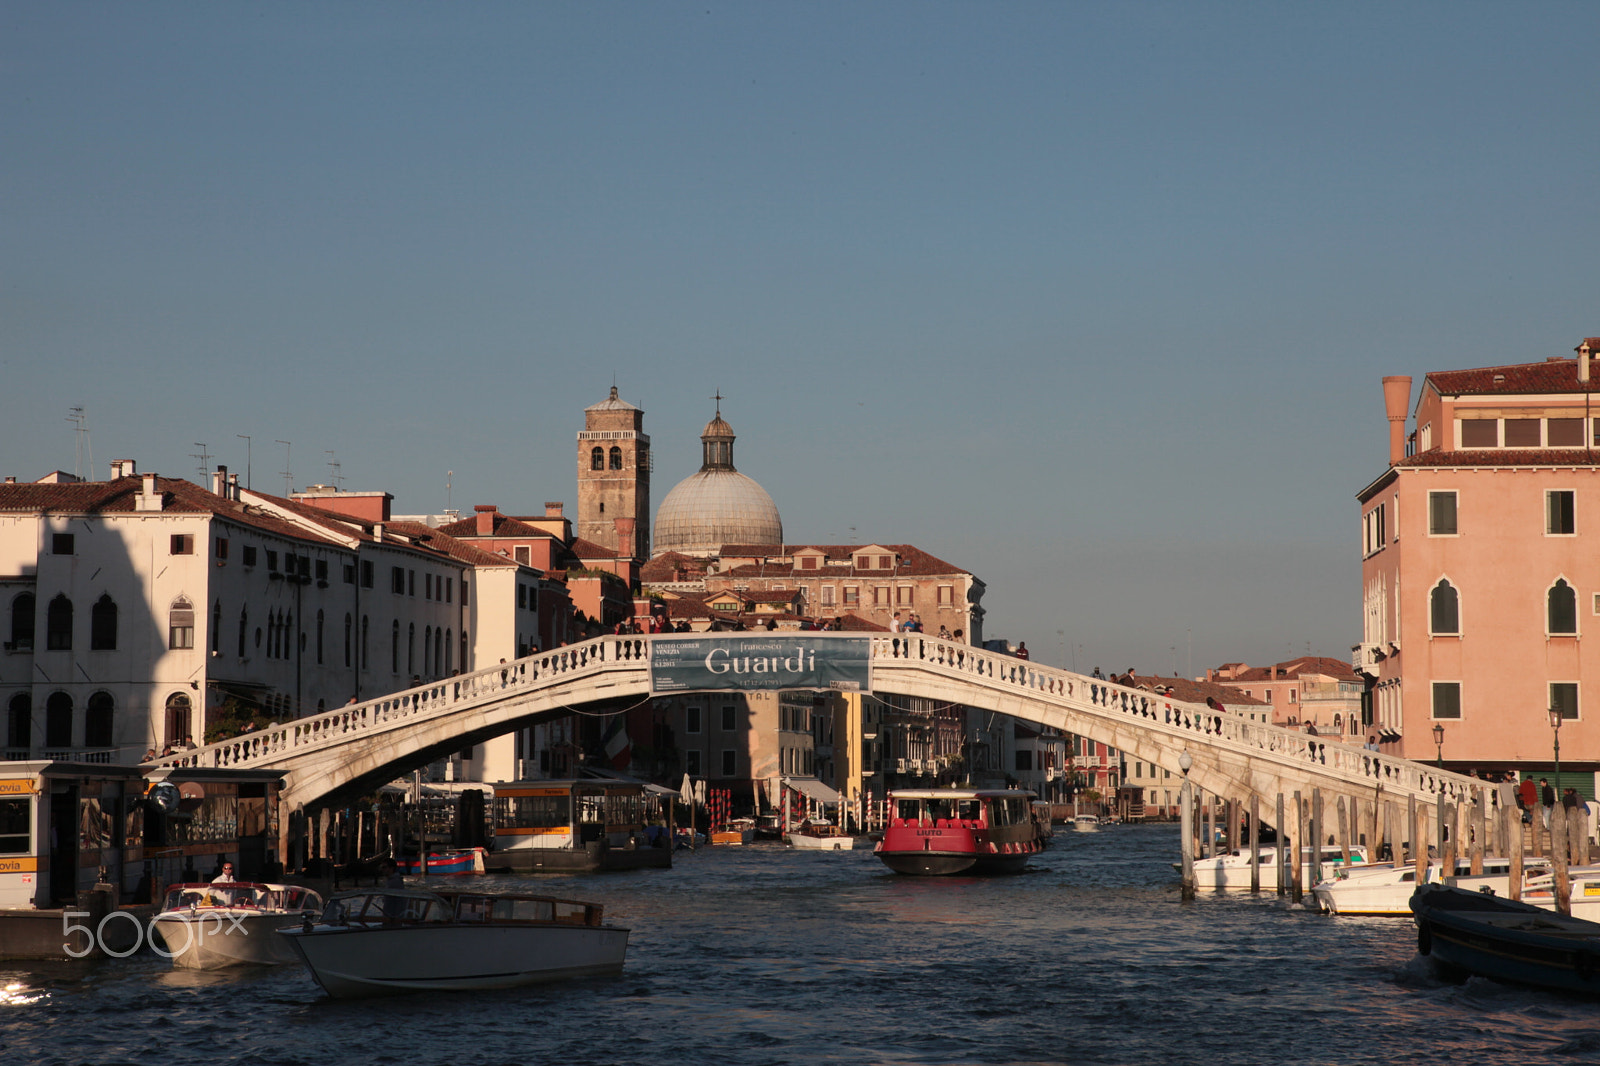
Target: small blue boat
[(1483, 934)]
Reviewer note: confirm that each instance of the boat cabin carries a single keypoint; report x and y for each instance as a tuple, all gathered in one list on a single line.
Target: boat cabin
[(581, 824), (971, 808), (63, 825)]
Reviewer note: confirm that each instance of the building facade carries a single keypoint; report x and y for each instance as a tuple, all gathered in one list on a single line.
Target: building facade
[(614, 478), (1477, 546)]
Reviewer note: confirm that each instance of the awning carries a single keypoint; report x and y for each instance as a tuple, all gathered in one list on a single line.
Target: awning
[(812, 789)]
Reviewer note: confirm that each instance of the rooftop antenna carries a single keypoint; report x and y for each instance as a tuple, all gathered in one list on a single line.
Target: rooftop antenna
[(205, 460), (247, 457), (288, 468), (333, 465), (80, 418), (449, 502)]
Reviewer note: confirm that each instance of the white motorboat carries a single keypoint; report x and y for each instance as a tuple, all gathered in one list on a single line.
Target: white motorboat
[(1232, 869), (820, 838), (213, 925), (1086, 823), (1385, 889), (383, 941)]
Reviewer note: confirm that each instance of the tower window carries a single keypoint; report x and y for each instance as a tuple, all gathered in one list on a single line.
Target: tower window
[(616, 458), (597, 459)]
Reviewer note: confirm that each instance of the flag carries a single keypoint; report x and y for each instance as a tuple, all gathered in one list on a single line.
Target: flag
[(619, 750)]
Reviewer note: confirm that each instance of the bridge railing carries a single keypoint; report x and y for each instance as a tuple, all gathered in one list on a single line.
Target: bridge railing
[(413, 705), (1178, 719)]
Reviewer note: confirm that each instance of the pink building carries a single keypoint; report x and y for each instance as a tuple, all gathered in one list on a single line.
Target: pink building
[(1478, 548)]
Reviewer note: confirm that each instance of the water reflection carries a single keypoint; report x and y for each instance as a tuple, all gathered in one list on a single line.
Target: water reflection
[(763, 955)]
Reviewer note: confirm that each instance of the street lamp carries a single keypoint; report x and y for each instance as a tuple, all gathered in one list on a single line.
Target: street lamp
[(1185, 761), (1438, 744), (1555, 729)]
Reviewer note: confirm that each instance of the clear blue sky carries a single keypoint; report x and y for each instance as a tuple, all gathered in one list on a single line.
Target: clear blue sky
[(1092, 299)]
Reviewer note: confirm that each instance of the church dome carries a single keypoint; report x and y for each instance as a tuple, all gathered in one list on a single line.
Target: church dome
[(716, 506)]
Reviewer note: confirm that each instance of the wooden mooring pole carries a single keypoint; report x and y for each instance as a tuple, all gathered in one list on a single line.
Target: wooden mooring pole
[(1254, 841), (1296, 865), (1279, 873)]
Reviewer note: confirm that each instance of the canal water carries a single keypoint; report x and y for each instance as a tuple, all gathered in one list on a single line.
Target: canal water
[(763, 955)]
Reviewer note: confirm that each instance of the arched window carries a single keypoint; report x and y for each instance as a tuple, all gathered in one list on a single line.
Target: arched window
[(597, 459), (319, 636), (394, 648), (216, 626), (180, 624), (366, 626), (98, 721), (178, 717), (58, 721), (244, 628), (411, 649), (1444, 609), (103, 624), (58, 625), (616, 458), (427, 651), (449, 653), (349, 624), (1563, 612), (288, 636), (19, 723), (438, 652), (22, 622), (1338, 723), (466, 664)]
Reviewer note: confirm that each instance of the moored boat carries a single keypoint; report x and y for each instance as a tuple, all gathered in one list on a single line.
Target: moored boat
[(1232, 869), (385, 941), (213, 925), (1386, 889), (820, 837), (1504, 940), (1086, 823), (466, 861), (941, 831)]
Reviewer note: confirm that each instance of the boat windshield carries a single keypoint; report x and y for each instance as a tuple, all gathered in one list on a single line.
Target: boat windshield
[(181, 896), (384, 906), (1008, 810)]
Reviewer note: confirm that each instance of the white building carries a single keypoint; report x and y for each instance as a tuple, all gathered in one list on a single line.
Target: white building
[(135, 607)]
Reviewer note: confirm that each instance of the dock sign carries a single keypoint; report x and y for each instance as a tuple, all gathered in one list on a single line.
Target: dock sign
[(715, 662)]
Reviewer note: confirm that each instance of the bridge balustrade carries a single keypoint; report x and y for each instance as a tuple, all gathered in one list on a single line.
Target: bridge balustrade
[(1179, 719), (422, 703)]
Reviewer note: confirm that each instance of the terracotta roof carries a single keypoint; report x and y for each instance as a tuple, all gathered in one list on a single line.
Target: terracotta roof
[(854, 623), (1291, 670), (432, 538), (914, 562), (1504, 457), (588, 549), (1558, 375), (120, 497), (666, 568), (1188, 691), (504, 526)]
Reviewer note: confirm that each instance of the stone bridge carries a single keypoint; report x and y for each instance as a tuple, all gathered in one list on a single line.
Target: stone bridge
[(334, 756)]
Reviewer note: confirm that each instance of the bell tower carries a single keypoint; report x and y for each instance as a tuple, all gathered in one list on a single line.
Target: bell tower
[(614, 478)]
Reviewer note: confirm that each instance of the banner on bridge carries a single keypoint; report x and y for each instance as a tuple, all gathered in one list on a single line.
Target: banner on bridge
[(760, 663)]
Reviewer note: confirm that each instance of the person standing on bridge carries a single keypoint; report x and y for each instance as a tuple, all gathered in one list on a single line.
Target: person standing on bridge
[(1022, 650)]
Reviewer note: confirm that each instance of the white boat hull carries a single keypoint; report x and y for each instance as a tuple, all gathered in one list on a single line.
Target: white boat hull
[(1233, 870), (355, 962), (214, 939), (811, 843)]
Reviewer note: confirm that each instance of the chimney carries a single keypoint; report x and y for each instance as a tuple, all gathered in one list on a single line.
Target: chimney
[(233, 487), (377, 532), (219, 481), (1584, 350), (486, 513), (1396, 398), (625, 537), (122, 468), (150, 498), (553, 510)]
